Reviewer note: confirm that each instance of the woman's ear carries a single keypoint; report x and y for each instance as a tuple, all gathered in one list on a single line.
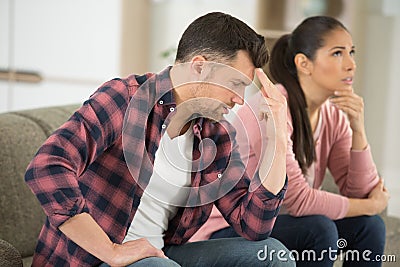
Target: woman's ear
[(303, 64)]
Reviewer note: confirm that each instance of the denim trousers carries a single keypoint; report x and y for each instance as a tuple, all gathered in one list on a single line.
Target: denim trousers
[(228, 252), (318, 241)]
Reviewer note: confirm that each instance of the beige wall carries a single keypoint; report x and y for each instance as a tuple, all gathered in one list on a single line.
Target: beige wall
[(135, 36)]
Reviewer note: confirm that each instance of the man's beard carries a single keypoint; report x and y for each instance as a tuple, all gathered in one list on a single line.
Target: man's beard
[(205, 107)]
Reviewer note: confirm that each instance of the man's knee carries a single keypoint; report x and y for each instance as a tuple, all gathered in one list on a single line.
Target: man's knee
[(275, 253), (155, 262)]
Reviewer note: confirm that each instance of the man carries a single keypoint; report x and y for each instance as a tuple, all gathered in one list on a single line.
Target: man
[(114, 196)]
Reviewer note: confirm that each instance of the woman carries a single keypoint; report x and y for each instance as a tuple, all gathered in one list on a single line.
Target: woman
[(315, 65)]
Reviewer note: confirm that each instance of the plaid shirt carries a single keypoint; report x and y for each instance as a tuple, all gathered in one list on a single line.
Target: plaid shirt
[(82, 167)]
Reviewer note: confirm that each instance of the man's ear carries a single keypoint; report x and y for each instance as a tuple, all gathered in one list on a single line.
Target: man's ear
[(197, 64), (303, 64)]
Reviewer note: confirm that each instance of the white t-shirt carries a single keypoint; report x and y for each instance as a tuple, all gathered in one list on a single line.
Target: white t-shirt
[(168, 189)]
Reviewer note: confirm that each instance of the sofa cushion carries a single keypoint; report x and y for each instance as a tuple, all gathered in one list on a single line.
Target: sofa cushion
[(10, 257), (22, 133)]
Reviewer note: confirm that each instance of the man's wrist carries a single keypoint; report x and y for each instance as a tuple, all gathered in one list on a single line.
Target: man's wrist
[(111, 254)]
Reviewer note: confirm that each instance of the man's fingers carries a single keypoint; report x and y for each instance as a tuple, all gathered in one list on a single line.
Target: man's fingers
[(268, 89), (265, 82)]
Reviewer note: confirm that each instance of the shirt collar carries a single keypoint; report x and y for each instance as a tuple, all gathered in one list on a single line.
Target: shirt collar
[(164, 87)]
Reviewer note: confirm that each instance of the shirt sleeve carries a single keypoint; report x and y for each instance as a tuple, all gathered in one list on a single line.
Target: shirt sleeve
[(302, 199), (53, 174), (250, 210), (354, 171)]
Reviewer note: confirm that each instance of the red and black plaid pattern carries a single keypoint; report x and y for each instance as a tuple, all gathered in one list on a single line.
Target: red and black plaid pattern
[(83, 167)]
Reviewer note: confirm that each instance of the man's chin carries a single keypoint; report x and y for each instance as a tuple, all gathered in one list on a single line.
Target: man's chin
[(214, 120), (214, 116)]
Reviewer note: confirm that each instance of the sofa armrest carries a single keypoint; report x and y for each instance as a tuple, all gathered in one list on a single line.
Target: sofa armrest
[(9, 255)]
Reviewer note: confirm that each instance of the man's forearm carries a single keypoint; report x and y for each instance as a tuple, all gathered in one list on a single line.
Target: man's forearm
[(274, 180), (86, 233)]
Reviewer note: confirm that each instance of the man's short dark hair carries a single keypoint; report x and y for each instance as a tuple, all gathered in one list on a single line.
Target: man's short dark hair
[(218, 37)]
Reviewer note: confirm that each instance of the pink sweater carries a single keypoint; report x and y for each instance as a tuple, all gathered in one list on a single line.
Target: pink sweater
[(354, 171)]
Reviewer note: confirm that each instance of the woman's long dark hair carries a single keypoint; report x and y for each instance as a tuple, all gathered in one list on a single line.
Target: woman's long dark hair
[(307, 38)]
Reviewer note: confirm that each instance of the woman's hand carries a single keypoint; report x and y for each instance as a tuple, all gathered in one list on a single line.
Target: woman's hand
[(379, 197), (375, 203), (353, 106)]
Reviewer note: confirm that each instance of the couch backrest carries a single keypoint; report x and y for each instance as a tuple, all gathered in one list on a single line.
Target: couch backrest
[(21, 134)]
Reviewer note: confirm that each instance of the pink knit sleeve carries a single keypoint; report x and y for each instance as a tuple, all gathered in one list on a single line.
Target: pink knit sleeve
[(303, 200), (354, 171)]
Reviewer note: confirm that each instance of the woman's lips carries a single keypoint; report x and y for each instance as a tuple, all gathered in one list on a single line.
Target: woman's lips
[(348, 81)]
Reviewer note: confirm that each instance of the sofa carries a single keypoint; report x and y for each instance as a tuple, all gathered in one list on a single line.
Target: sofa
[(21, 217)]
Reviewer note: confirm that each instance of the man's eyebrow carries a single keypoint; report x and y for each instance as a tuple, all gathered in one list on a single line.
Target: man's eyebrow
[(245, 83), (248, 83)]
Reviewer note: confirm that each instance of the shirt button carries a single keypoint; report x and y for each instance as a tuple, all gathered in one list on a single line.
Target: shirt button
[(160, 102), (171, 109), (163, 126), (219, 175)]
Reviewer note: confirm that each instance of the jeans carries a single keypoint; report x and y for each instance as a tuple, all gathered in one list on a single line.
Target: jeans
[(151, 261), (315, 240), (222, 252)]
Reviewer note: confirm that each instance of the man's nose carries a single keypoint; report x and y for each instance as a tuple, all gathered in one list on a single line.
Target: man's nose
[(238, 99)]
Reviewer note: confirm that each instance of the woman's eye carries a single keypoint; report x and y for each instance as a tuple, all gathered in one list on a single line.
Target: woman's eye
[(337, 53), (352, 52)]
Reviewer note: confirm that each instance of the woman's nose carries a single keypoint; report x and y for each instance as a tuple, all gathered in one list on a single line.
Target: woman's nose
[(350, 63)]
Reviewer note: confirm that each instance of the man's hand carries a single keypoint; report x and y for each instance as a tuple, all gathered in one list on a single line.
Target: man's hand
[(86, 233), (274, 102), (273, 179), (133, 251)]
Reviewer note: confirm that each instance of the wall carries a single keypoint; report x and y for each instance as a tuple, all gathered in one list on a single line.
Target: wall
[(391, 141), (379, 25), (73, 45), (375, 26), (135, 36), (169, 18)]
